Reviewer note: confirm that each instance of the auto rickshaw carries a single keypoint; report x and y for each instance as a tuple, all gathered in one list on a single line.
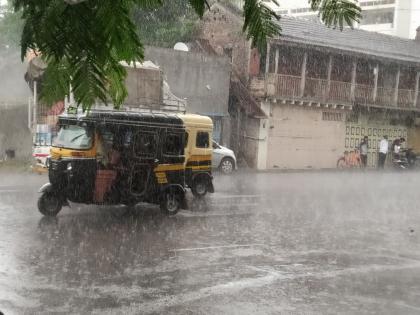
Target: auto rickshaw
[(115, 157), (198, 152)]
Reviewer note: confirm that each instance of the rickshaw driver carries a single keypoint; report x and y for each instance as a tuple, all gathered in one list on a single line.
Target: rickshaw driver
[(102, 151)]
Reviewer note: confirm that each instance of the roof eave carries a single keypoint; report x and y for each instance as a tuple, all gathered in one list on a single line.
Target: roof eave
[(352, 51)]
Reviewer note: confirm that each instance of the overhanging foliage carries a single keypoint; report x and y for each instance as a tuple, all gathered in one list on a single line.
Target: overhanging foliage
[(84, 41)]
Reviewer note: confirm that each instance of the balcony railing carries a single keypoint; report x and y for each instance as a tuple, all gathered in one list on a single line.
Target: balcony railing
[(288, 88), (318, 90)]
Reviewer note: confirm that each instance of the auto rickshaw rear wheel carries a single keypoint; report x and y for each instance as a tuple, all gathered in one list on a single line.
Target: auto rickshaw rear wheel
[(170, 202), (50, 203)]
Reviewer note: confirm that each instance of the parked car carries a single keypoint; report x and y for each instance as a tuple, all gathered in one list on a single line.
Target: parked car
[(223, 158), (40, 154)]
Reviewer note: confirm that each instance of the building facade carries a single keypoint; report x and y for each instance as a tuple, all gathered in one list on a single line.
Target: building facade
[(393, 17), (202, 80), (322, 90), (221, 33), (15, 124)]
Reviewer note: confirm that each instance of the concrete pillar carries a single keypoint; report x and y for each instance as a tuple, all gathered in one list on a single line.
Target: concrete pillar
[(397, 84), (353, 80), (267, 59), (375, 83), (35, 107), (276, 60), (416, 89), (330, 65), (262, 148), (303, 74)]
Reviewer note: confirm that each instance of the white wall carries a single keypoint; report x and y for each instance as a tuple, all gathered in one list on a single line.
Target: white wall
[(407, 18), (298, 138), (13, 87)]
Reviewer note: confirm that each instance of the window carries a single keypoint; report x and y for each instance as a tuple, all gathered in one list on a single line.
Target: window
[(376, 2), (145, 144), (202, 140), (128, 138), (378, 16), (74, 137), (174, 144), (352, 117), (331, 116), (301, 10), (107, 137)]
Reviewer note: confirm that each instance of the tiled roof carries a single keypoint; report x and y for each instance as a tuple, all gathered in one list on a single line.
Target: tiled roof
[(356, 41)]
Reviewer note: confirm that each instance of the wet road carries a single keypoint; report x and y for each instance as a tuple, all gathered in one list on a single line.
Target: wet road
[(303, 243)]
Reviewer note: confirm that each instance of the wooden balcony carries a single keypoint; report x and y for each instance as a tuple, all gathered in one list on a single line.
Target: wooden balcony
[(278, 86)]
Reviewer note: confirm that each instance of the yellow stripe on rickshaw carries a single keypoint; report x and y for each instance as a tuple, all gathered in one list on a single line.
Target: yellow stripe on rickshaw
[(202, 167), (169, 167), (199, 158)]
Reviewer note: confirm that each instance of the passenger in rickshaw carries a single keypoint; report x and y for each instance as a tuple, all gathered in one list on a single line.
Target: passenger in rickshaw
[(109, 152)]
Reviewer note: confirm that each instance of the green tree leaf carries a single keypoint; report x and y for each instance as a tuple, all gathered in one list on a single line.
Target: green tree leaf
[(84, 41)]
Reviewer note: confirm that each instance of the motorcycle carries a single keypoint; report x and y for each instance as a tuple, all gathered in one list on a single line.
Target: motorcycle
[(406, 159)]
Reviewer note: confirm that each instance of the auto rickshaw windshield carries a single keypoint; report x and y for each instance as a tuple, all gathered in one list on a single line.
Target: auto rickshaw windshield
[(74, 137)]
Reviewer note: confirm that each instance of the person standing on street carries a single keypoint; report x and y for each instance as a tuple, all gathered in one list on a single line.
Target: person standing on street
[(383, 151), (396, 148), (364, 151)]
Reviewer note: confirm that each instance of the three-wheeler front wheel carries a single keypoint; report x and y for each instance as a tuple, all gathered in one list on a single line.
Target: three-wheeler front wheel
[(171, 202), (50, 204)]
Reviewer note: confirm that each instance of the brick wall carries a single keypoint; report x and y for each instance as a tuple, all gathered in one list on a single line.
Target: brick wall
[(223, 29)]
